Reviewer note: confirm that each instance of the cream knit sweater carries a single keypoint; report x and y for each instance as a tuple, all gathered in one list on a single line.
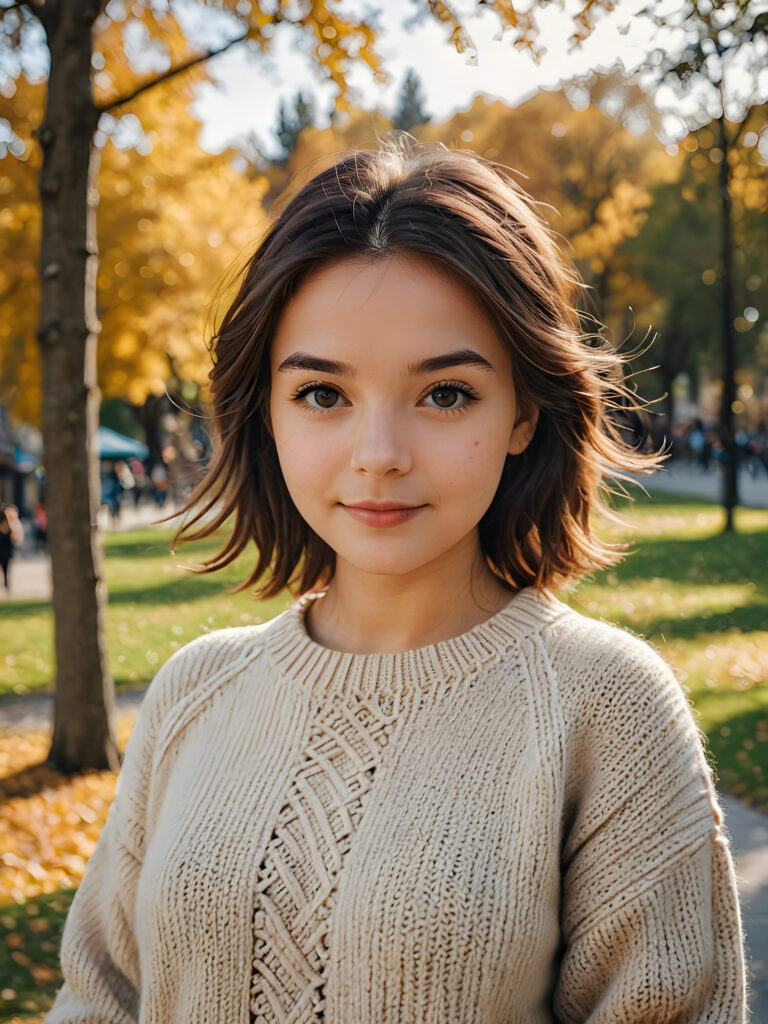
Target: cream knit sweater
[(515, 826)]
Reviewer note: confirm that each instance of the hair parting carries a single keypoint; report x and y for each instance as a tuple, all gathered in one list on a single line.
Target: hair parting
[(470, 218)]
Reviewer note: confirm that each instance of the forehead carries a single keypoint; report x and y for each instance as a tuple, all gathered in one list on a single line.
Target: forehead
[(401, 302)]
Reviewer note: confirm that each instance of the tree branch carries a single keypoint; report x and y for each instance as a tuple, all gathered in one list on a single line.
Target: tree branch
[(169, 74)]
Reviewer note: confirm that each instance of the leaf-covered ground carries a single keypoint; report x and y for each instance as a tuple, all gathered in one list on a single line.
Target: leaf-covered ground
[(700, 597), (48, 828)]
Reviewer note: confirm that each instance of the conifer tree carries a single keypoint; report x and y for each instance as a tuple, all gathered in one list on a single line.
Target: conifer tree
[(410, 109), (291, 123)]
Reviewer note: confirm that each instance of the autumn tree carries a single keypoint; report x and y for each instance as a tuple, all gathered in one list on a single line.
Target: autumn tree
[(20, 105), (722, 66), (670, 256), (590, 175), (79, 93), (165, 238), (673, 260)]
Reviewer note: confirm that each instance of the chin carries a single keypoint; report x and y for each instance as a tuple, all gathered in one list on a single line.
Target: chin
[(387, 565)]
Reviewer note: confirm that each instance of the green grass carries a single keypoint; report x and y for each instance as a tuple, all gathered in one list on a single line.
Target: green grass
[(154, 608), (30, 936), (700, 596)]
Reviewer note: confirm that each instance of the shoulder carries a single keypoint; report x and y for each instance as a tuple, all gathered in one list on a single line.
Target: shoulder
[(609, 677), (194, 667), (583, 639), (628, 721)]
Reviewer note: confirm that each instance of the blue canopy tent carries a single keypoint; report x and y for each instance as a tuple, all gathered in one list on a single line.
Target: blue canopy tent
[(117, 446), (24, 461)]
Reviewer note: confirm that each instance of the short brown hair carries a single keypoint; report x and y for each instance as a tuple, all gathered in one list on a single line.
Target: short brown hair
[(469, 217)]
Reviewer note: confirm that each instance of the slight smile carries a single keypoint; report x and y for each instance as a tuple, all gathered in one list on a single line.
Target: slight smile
[(383, 513)]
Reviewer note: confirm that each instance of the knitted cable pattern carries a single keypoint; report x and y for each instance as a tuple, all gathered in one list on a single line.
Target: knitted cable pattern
[(304, 858), (514, 826)]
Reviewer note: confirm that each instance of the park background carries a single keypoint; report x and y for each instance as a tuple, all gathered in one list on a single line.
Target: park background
[(643, 133)]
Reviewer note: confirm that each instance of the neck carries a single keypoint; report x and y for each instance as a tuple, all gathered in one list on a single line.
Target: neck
[(363, 613)]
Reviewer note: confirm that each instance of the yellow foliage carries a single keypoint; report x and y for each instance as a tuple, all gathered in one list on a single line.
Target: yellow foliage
[(169, 225), (169, 222)]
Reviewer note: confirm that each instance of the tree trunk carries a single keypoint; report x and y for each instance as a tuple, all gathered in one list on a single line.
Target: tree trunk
[(82, 734), (730, 465)]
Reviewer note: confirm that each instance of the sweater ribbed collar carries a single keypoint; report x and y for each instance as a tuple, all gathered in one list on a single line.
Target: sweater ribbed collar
[(329, 672)]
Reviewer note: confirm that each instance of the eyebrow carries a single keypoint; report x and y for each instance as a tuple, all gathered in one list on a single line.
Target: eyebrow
[(463, 357)]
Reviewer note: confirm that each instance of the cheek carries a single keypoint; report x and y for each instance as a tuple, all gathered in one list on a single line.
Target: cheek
[(305, 458), (472, 469)]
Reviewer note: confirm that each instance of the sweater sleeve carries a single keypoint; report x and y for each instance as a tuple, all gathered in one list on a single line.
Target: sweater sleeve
[(650, 914), (99, 956)]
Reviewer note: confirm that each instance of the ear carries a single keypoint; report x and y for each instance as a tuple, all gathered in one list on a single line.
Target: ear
[(524, 428)]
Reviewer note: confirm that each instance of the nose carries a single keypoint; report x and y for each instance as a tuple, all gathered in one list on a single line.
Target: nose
[(380, 446)]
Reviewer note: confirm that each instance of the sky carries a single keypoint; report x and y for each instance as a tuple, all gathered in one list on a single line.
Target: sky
[(245, 94), (246, 88)]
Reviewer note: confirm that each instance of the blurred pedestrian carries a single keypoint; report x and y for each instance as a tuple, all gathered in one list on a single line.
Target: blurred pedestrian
[(758, 451), (698, 445), (11, 536), (41, 526), (140, 479), (159, 479), (112, 494)]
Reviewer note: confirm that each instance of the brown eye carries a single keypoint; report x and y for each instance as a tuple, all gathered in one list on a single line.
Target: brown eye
[(325, 397), (445, 398), (318, 398), (452, 397)]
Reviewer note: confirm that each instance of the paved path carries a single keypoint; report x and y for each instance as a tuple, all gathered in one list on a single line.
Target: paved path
[(683, 478), (749, 838), (30, 571)]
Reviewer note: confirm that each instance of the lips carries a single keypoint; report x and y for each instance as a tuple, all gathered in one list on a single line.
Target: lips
[(378, 506), (382, 514)]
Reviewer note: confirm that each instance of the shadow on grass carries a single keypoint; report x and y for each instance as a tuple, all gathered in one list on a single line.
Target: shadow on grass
[(138, 549), (188, 589), (749, 618), (158, 545), (32, 931), (724, 558), (34, 778), (740, 753), (706, 561), (18, 609)]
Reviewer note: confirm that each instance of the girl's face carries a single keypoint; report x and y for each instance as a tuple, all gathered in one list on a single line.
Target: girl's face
[(390, 387)]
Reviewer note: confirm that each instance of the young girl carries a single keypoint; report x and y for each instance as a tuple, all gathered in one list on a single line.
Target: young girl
[(429, 792)]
